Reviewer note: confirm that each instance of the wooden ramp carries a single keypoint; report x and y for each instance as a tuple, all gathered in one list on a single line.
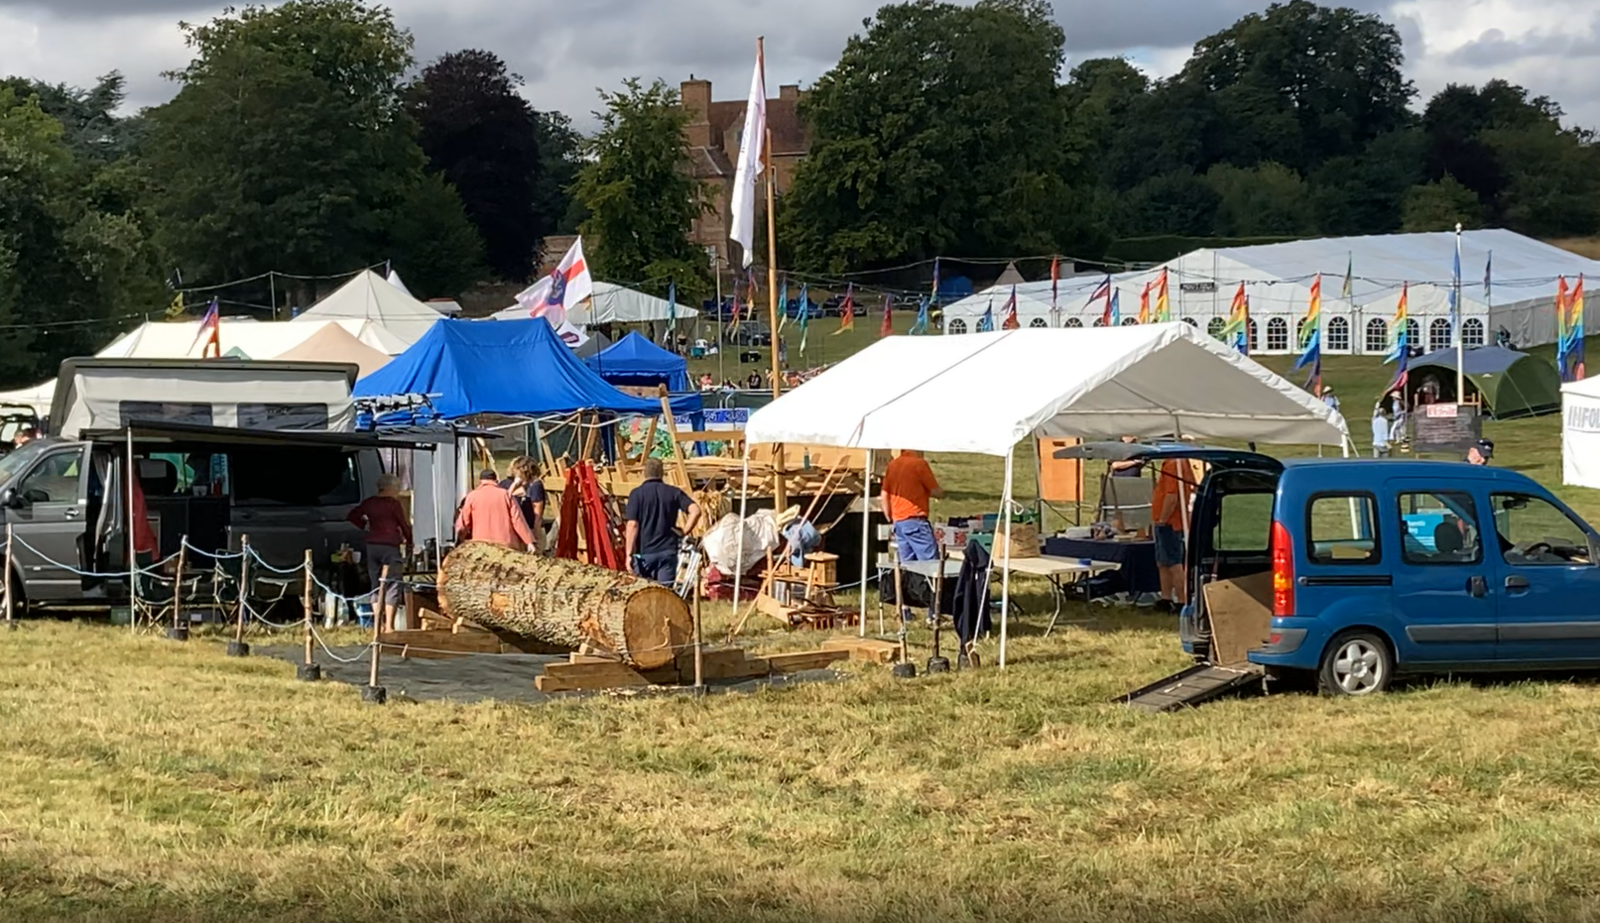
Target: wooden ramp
[(1187, 688)]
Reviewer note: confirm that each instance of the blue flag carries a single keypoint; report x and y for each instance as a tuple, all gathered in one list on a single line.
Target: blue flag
[(783, 303), (921, 326), (805, 314), (986, 322), (672, 303)]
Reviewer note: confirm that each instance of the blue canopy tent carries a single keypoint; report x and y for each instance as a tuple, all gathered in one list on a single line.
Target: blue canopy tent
[(635, 361), (518, 368)]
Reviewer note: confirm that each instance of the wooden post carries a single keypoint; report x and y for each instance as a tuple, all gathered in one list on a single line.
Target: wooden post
[(12, 584), (780, 492), (900, 604), (699, 663), (677, 449), (244, 588), (375, 693), (306, 603)]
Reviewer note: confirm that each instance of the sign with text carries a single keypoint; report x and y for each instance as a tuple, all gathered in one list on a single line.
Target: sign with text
[(1446, 428)]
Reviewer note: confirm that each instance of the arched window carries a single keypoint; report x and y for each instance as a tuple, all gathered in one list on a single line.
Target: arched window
[(1214, 327), (1338, 334), (1074, 322), (957, 327), (1472, 332), (1191, 322), (1038, 322), (1255, 334), (1277, 335), (1129, 321), (1439, 334), (1413, 333), (1377, 341)]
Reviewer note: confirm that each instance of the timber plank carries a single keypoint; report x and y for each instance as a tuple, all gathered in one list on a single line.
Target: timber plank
[(804, 660), (872, 650), (571, 677)]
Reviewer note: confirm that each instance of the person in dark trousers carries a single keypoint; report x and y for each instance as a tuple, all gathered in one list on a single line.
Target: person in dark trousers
[(652, 535), (388, 527)]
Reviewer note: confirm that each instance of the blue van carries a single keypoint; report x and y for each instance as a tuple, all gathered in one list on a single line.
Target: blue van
[(1383, 567)]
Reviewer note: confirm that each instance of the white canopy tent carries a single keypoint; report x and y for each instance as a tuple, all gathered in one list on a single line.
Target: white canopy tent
[(984, 393), (369, 296), (1580, 433), (612, 304)]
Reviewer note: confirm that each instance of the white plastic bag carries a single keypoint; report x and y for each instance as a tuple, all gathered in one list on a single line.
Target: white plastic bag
[(758, 534)]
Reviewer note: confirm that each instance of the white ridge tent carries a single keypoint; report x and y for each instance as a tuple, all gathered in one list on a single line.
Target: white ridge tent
[(611, 304), (984, 393), (369, 296), (1580, 433)]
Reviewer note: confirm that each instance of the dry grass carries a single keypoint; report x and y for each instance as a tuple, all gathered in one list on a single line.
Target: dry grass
[(150, 781)]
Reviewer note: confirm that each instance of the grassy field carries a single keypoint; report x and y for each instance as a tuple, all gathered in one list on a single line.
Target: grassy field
[(147, 781)]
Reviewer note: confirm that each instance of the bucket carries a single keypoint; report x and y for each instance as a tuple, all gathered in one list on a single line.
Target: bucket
[(364, 614)]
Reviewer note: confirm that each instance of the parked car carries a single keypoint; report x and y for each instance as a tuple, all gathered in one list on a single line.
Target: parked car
[(13, 419), (1386, 567)]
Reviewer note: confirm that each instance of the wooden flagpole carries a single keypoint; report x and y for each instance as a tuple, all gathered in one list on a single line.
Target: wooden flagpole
[(780, 492)]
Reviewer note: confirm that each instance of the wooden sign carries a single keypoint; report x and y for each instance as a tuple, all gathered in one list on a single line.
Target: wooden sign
[(1445, 428), (1060, 479)]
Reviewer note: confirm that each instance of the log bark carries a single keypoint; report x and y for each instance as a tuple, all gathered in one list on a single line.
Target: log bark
[(564, 603)]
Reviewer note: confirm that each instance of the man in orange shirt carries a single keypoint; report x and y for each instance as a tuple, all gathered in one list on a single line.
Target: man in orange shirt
[(908, 485), (1169, 501), (491, 514)]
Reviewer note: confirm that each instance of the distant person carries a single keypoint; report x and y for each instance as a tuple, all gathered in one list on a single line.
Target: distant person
[(1397, 413), (1329, 398), (1169, 501), (1127, 467), (1481, 454), (1380, 432), (651, 538), (707, 383), (908, 485), (491, 514), (383, 517), (25, 435), (753, 382), (527, 487)]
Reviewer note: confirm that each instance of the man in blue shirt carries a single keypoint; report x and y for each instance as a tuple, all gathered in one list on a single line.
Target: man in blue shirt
[(652, 535)]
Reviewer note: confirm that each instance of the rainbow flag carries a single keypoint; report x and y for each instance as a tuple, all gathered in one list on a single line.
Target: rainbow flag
[(1311, 339), (1011, 322), (1401, 349), (848, 320), (1569, 329), (1236, 332), (887, 326), (1114, 309), (1163, 308), (1144, 303)]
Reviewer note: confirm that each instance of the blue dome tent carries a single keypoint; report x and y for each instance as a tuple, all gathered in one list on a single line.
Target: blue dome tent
[(635, 361)]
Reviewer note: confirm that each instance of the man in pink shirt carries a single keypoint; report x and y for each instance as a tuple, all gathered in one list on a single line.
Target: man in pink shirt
[(491, 514)]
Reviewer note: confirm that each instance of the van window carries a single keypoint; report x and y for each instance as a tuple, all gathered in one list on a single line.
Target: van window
[(294, 477), (283, 416), (1341, 529), (1533, 531), (1439, 527), (54, 480), (164, 412), (1244, 522)]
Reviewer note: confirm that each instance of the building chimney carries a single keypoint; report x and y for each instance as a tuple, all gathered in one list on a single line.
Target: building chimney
[(696, 96), (789, 92)]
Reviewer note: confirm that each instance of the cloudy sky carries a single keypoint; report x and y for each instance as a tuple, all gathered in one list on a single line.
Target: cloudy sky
[(567, 48)]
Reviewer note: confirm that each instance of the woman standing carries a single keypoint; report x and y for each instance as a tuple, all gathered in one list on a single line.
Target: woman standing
[(527, 487), (388, 527)]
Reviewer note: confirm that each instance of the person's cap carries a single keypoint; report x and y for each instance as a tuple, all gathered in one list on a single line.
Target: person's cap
[(1327, 389), (1486, 448), (488, 474)]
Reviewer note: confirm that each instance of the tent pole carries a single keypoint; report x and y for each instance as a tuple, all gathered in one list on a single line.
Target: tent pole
[(744, 503), (1005, 566), (1461, 313), (866, 537), (127, 537)]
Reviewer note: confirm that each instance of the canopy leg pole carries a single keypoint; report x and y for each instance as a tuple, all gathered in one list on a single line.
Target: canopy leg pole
[(866, 537), (1005, 565), (127, 537), (744, 503)]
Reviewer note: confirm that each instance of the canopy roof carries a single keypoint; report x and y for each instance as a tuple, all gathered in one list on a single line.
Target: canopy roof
[(985, 392), (369, 296), (1513, 384), (333, 343), (634, 360), (513, 367), (612, 304), (255, 339)]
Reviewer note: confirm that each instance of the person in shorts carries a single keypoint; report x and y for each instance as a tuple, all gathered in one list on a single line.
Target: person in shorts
[(908, 485), (1168, 509)]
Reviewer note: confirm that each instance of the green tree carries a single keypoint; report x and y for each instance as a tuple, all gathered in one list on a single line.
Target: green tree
[(483, 137), (1553, 180), (1440, 206), (560, 157), (93, 128), (1365, 193), (1301, 83), (641, 200), (1174, 203), (1264, 200), (287, 146), (940, 129)]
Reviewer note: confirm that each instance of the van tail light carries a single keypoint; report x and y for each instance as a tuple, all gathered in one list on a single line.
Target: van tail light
[(1282, 571)]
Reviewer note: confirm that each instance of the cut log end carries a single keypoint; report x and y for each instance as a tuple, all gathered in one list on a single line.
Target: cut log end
[(655, 626)]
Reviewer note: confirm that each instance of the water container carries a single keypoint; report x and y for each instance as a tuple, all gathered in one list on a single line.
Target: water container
[(364, 614)]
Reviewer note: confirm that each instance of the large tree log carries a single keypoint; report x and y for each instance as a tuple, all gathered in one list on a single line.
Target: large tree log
[(564, 603)]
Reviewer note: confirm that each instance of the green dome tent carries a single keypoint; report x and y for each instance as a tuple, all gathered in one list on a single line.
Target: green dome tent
[(1512, 384)]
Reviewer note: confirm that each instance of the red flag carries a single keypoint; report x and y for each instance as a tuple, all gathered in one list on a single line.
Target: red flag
[(887, 328), (1055, 285), (847, 320), (1011, 322)]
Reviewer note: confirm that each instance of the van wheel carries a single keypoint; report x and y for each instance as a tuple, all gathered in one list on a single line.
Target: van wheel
[(1356, 663)]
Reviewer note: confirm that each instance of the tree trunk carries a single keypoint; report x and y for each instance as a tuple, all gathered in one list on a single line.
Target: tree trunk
[(564, 603)]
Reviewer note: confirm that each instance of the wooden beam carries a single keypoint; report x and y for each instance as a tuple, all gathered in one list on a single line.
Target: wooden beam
[(804, 660), (571, 677)]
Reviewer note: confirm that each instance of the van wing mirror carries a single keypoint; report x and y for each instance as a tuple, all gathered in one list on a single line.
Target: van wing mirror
[(1594, 549), (8, 500)]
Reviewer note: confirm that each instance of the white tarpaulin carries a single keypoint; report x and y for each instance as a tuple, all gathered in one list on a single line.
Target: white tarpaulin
[(1580, 433), (369, 296), (986, 392), (38, 397), (256, 339), (611, 304)]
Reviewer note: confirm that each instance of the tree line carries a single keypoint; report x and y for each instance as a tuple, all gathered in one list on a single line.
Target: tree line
[(303, 139)]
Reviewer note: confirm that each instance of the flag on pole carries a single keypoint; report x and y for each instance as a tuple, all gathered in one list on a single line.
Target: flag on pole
[(1347, 290), (1311, 339), (783, 303), (742, 212), (1163, 307), (1488, 277), (1236, 332), (175, 310), (1401, 373), (1011, 322), (921, 326), (1402, 333), (1569, 330), (209, 336), (1103, 290), (1114, 311), (1055, 290), (568, 286), (986, 322), (1575, 307), (805, 314), (1455, 286), (933, 293), (886, 328), (672, 303), (1144, 303), (848, 321)]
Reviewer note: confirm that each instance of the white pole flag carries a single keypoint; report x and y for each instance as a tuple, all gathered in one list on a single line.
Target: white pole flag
[(565, 288), (743, 211)]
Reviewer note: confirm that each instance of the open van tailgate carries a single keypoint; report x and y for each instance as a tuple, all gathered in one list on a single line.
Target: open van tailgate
[(1199, 683)]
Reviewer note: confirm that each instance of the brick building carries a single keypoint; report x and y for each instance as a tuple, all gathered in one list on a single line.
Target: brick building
[(713, 135)]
